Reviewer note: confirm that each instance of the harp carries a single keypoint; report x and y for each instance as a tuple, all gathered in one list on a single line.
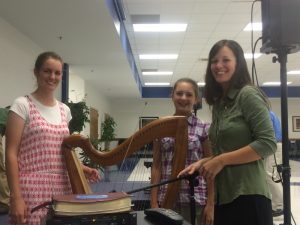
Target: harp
[(174, 126)]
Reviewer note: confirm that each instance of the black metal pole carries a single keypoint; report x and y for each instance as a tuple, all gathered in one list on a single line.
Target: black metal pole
[(286, 170), (192, 200)]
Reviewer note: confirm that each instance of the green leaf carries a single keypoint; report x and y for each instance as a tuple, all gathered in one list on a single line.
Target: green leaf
[(108, 129), (80, 115)]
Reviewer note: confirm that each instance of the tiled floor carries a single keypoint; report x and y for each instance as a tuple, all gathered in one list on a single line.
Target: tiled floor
[(130, 185)]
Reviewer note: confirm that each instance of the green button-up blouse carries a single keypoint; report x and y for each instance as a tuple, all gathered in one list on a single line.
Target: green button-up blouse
[(242, 119)]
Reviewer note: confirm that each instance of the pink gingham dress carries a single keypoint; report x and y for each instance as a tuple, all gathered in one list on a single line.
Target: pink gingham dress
[(42, 170)]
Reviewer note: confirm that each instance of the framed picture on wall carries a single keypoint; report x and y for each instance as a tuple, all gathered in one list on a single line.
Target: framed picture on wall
[(145, 120), (296, 123)]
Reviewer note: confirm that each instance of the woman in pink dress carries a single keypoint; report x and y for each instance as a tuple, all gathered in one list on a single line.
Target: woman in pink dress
[(36, 126)]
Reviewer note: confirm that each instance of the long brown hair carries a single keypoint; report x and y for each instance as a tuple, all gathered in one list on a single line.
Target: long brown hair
[(241, 77)]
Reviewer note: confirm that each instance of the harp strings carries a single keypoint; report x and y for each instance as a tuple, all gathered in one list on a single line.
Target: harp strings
[(131, 171)]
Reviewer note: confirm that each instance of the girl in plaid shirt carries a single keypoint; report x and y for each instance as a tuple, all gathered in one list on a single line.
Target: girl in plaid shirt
[(185, 95)]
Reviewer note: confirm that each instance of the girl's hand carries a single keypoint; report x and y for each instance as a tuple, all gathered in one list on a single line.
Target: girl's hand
[(91, 174), (18, 210)]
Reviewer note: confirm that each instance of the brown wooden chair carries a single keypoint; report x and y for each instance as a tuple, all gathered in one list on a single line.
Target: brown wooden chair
[(174, 126)]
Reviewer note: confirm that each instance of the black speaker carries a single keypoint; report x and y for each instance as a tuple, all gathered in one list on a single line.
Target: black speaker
[(281, 25)]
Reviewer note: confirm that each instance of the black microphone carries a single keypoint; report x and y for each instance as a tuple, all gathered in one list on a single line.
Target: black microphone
[(190, 176)]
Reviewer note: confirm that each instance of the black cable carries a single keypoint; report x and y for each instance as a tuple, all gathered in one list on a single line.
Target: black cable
[(44, 204), (252, 48), (254, 72)]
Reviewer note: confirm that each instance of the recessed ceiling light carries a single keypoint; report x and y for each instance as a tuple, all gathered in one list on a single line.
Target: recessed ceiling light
[(160, 27), (254, 26), (250, 55), (293, 72), (158, 56), (157, 84), (201, 83), (277, 83), (157, 73)]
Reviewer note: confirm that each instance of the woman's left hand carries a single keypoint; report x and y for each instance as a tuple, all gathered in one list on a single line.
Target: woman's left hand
[(208, 215), (211, 168)]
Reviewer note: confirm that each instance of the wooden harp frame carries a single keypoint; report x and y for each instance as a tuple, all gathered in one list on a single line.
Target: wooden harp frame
[(173, 126)]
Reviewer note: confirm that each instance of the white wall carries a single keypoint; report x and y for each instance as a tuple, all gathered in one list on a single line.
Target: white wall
[(76, 88), (17, 57), (96, 100), (127, 113), (80, 90)]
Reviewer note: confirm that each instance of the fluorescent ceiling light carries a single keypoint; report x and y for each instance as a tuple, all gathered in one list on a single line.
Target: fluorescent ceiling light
[(255, 27), (201, 83), (157, 84), (157, 73), (160, 27), (249, 55), (293, 72), (277, 83), (158, 56)]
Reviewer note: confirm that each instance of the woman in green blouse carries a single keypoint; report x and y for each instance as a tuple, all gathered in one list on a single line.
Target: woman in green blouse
[(241, 135)]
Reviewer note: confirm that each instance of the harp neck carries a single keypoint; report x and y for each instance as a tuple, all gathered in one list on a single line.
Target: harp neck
[(174, 126)]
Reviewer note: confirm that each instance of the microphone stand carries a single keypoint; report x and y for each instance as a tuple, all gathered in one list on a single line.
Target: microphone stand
[(286, 170), (192, 184)]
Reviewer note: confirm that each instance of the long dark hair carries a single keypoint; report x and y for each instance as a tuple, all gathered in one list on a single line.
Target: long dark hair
[(241, 77)]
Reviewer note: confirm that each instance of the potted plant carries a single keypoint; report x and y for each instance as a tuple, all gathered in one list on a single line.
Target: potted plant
[(86, 160), (80, 115), (3, 118), (107, 132), (107, 135)]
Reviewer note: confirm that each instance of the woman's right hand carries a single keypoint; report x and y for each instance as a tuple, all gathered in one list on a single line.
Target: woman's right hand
[(192, 168), (18, 210)]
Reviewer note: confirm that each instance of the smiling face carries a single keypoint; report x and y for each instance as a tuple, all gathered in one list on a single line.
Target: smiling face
[(223, 66), (184, 98), (49, 75)]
